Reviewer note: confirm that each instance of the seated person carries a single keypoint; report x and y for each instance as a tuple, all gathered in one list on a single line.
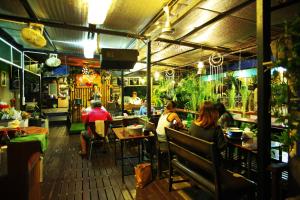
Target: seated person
[(225, 119), (167, 119), (135, 99), (89, 108), (95, 114), (143, 108), (206, 126)]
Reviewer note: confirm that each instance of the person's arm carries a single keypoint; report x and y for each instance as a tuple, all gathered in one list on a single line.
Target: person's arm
[(174, 116), (109, 118)]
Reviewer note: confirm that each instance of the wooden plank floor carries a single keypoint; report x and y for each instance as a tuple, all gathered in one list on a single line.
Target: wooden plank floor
[(68, 176)]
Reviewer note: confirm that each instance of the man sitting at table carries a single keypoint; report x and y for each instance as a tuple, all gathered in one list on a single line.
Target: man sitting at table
[(135, 99), (95, 114)]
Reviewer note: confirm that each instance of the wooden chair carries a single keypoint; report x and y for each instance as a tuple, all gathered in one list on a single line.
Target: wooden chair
[(290, 188), (97, 138), (161, 148), (198, 160)]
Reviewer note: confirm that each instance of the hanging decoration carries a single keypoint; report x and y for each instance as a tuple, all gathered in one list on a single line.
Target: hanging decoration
[(170, 75), (216, 71), (88, 76)]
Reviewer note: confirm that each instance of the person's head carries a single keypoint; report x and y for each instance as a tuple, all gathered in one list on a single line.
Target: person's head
[(171, 105), (220, 108), (96, 104), (144, 102), (134, 94), (95, 87), (208, 115)]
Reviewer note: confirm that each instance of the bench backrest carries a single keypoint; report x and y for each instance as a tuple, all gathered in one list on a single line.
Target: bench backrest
[(200, 155)]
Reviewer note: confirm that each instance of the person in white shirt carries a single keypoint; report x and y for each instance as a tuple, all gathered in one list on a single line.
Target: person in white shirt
[(166, 120), (135, 99)]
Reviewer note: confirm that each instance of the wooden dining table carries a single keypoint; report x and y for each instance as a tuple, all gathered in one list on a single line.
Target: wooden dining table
[(123, 135), (28, 130), (31, 133)]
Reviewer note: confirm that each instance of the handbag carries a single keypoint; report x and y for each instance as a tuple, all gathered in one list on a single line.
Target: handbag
[(143, 174)]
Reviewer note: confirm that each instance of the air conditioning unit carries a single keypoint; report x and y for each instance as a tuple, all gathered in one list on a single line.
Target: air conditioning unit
[(118, 58)]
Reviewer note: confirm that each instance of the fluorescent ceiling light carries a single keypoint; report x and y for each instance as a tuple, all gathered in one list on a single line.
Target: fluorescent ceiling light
[(138, 67), (97, 10), (89, 48)]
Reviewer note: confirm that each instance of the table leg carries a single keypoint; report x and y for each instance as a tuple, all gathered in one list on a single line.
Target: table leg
[(115, 144), (122, 160), (151, 161), (139, 150), (143, 142)]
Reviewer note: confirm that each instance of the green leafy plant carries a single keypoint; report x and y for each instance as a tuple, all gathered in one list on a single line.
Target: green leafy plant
[(231, 97), (244, 94)]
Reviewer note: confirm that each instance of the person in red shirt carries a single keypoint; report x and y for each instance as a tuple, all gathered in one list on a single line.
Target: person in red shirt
[(95, 114)]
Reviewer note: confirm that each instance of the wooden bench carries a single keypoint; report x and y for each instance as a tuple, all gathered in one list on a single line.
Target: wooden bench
[(199, 161)]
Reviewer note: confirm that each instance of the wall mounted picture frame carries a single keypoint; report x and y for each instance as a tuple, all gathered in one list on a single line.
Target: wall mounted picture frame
[(3, 78)]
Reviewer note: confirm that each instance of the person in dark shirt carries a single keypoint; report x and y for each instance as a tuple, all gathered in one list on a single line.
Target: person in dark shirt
[(226, 119), (206, 126)]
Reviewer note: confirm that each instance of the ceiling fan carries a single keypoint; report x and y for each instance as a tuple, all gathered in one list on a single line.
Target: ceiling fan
[(53, 61), (167, 29), (34, 35)]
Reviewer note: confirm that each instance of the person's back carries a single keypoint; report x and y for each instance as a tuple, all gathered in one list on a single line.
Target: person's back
[(206, 128), (166, 120), (98, 114), (211, 134)]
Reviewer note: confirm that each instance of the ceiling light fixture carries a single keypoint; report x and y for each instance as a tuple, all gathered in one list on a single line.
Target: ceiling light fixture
[(89, 46), (200, 66), (167, 29), (97, 11)]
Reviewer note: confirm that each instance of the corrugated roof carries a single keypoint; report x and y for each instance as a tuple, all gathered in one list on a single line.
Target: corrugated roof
[(233, 32)]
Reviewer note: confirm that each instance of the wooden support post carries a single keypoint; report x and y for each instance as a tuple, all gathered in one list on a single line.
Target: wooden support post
[(149, 79), (122, 90), (263, 24)]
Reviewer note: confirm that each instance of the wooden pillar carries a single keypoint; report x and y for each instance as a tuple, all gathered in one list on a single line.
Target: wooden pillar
[(263, 25), (22, 102), (122, 90), (149, 79), (40, 91)]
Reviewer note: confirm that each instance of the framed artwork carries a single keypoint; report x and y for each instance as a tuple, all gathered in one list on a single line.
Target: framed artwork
[(3, 78)]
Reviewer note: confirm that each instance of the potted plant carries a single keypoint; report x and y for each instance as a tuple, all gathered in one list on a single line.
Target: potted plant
[(287, 49)]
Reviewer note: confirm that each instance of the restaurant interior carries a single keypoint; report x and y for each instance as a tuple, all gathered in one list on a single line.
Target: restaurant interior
[(157, 99)]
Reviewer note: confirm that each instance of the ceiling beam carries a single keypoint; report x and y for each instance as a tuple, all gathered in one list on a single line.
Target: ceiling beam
[(218, 18), (194, 45), (72, 27), (32, 15), (178, 54)]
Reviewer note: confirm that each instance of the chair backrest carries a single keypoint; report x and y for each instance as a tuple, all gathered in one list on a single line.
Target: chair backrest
[(130, 121), (92, 127), (200, 154)]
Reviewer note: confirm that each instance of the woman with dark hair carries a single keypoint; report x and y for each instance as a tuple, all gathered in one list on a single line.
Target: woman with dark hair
[(226, 119), (206, 126), (168, 117)]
